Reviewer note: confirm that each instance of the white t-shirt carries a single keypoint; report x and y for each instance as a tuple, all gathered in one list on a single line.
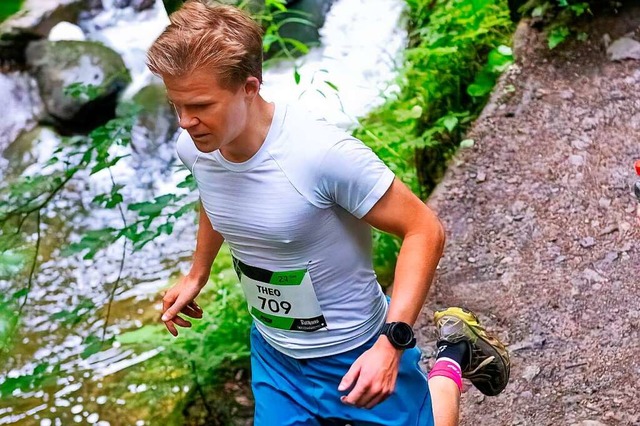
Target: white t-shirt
[(291, 216)]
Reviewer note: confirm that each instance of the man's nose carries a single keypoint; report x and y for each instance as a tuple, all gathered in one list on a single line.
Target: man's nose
[(186, 121)]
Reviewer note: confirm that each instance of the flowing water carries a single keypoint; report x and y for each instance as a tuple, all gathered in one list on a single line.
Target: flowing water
[(360, 42)]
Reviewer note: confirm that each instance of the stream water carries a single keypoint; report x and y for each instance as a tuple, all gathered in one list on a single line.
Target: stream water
[(360, 42)]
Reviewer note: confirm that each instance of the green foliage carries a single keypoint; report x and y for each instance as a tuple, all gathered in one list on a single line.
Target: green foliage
[(219, 338), (559, 16), (457, 50), (8, 8), (43, 375), (273, 17), (8, 317)]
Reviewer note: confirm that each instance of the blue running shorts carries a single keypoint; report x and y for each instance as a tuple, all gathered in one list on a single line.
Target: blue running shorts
[(291, 391)]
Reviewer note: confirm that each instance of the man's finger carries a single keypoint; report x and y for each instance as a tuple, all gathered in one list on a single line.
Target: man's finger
[(350, 378), (181, 321), (357, 394), (190, 311), (174, 309), (195, 306), (172, 328), (375, 401)]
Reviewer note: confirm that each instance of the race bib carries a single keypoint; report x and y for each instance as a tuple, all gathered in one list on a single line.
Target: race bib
[(282, 299)]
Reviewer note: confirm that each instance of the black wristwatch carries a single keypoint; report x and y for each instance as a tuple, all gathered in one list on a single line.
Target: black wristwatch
[(400, 334)]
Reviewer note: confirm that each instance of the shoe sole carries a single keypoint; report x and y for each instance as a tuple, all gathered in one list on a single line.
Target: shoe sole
[(488, 343)]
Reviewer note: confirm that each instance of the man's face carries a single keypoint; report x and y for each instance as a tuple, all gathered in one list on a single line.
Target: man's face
[(213, 116)]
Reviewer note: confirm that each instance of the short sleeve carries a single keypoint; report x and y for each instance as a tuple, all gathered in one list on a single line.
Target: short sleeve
[(186, 150), (353, 177)]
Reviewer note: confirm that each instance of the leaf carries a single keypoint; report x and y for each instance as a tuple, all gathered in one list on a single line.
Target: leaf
[(557, 36), (330, 84), (416, 112), (20, 294), (165, 228), (450, 122), (482, 85), (188, 182), (8, 324), (268, 40), (12, 262), (579, 8), (93, 346), (538, 12), (296, 75), (298, 45)]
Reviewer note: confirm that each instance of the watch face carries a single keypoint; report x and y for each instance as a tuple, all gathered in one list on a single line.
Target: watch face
[(402, 333)]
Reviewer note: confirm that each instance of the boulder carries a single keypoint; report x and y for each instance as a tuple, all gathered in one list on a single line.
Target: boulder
[(58, 64), (34, 21), (20, 96), (156, 122), (26, 155), (139, 5)]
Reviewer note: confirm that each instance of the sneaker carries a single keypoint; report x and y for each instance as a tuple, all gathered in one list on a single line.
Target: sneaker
[(489, 366)]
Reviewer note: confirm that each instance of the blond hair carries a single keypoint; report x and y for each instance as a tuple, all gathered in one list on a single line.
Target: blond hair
[(220, 38)]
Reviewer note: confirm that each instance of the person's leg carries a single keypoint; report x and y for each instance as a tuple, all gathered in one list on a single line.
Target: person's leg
[(278, 388), (409, 405), (445, 401), (466, 350)]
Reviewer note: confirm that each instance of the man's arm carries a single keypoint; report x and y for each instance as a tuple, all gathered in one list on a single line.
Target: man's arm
[(401, 213), (180, 298)]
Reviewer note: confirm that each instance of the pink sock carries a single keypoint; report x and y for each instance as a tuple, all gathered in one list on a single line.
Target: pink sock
[(447, 367)]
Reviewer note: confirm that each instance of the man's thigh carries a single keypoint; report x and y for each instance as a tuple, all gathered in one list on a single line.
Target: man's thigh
[(292, 392), (279, 389), (409, 405)]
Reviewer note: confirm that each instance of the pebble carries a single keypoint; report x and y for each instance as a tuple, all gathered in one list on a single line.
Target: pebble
[(576, 160), (587, 242), (531, 372)]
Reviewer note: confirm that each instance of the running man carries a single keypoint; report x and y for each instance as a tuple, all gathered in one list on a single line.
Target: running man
[(295, 199)]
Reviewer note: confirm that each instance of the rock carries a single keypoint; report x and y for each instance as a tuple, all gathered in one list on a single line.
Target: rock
[(139, 5), (587, 242), (19, 94), (624, 48), (533, 342), (567, 95), (589, 423), (604, 203), (576, 160), (28, 152), (36, 19), (121, 4), (66, 31), (530, 372), (156, 122), (592, 276), (58, 64)]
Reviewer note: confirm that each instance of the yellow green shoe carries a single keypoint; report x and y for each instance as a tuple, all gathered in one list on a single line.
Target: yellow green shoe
[(489, 366)]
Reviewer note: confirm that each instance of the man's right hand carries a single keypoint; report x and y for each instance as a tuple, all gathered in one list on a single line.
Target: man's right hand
[(180, 299)]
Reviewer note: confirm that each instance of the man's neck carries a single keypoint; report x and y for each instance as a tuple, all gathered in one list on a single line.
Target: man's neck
[(249, 142)]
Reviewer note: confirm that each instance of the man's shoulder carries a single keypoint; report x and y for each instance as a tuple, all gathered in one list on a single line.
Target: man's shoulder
[(309, 134), (186, 149)]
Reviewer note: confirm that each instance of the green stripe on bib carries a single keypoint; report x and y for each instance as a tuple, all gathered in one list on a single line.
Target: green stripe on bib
[(288, 277), (272, 320)]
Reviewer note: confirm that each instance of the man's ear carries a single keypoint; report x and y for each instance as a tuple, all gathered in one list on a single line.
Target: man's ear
[(251, 87)]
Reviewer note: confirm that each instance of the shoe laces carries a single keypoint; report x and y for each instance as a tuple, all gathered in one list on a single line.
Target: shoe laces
[(487, 361)]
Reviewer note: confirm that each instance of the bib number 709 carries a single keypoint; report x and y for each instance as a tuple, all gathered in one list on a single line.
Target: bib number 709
[(274, 306)]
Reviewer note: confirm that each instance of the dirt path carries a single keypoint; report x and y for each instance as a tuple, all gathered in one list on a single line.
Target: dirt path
[(542, 240)]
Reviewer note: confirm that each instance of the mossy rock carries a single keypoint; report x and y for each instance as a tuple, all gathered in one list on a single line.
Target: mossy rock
[(58, 64)]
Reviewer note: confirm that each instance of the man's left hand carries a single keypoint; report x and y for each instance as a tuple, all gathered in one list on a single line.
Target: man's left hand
[(372, 378)]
